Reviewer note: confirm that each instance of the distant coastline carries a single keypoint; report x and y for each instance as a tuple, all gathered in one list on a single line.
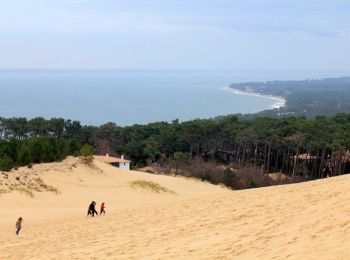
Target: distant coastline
[(279, 102)]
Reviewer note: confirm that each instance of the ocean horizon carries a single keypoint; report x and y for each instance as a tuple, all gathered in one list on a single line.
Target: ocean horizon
[(129, 97)]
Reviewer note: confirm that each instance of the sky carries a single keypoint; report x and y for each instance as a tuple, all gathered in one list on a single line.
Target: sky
[(175, 34)]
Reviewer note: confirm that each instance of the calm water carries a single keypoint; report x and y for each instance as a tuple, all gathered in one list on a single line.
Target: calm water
[(126, 97)]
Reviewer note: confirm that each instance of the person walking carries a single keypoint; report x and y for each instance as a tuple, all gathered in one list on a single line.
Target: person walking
[(92, 210), (89, 209), (19, 225), (102, 210)]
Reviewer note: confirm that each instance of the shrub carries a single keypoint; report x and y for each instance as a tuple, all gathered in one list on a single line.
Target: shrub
[(87, 152), (73, 146), (205, 176), (23, 155), (229, 176), (62, 148), (49, 151), (6, 164), (252, 184)]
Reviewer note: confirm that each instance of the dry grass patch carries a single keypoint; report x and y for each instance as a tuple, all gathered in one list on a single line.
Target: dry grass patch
[(26, 185), (45, 187), (150, 185), (25, 191)]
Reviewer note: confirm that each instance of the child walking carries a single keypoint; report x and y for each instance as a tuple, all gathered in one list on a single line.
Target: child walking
[(102, 209)]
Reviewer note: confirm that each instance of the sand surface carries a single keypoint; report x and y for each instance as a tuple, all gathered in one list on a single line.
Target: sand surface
[(196, 220)]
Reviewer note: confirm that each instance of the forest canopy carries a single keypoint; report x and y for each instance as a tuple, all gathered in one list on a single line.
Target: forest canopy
[(299, 147), (304, 97)]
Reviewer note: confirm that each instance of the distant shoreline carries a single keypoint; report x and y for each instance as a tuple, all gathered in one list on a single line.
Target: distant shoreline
[(279, 101)]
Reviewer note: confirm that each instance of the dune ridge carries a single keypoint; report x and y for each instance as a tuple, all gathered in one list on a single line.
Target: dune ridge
[(197, 221)]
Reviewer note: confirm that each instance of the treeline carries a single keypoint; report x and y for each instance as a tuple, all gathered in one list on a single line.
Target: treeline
[(304, 97), (24, 142), (296, 146)]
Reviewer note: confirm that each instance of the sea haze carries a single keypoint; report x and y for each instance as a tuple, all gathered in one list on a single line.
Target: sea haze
[(125, 97)]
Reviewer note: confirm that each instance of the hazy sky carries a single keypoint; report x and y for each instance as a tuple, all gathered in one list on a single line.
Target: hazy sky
[(175, 34)]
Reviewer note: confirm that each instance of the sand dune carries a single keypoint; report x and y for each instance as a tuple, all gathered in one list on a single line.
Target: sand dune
[(194, 220)]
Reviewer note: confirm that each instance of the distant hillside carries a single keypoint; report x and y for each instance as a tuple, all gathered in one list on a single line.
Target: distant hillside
[(306, 97)]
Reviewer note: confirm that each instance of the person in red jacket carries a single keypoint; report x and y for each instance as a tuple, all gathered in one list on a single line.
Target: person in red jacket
[(102, 209)]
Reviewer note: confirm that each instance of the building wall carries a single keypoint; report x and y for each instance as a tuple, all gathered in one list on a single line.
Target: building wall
[(125, 166)]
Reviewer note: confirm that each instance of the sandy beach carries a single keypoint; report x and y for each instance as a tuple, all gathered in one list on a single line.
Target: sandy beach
[(278, 101), (189, 219)]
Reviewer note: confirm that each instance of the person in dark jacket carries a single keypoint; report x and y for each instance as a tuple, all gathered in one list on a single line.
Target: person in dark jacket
[(92, 210), (19, 225)]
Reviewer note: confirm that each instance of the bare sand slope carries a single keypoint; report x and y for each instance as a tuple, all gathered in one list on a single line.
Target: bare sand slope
[(194, 221)]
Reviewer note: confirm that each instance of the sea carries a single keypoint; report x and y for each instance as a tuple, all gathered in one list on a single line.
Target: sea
[(128, 97)]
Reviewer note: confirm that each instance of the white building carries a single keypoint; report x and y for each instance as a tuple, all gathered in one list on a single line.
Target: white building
[(115, 161)]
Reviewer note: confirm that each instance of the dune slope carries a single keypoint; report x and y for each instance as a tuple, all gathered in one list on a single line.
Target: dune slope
[(191, 220)]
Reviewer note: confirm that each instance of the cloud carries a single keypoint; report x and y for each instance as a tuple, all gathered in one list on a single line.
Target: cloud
[(51, 18), (170, 16), (174, 33)]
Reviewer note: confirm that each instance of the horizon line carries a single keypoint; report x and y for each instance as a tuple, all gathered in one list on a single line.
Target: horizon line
[(162, 70)]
